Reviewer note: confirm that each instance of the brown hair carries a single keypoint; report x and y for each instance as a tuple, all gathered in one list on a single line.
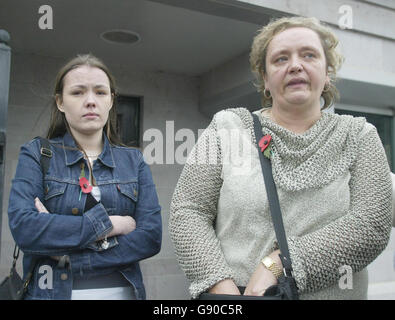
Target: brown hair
[(329, 43), (58, 123)]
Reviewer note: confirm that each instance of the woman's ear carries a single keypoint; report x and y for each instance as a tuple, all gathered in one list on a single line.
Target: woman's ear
[(59, 102), (265, 82), (327, 80)]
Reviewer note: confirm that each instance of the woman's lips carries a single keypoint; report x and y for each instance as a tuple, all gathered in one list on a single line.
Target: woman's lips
[(90, 115), (296, 83)]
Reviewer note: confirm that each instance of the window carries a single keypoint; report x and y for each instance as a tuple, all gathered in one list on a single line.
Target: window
[(128, 117), (384, 125)]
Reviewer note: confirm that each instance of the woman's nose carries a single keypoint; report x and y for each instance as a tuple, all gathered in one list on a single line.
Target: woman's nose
[(90, 100), (295, 66)]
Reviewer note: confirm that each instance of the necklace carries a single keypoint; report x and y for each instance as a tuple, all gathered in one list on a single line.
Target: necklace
[(93, 155)]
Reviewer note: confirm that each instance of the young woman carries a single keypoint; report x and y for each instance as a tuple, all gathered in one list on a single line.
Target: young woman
[(88, 221), (331, 173)]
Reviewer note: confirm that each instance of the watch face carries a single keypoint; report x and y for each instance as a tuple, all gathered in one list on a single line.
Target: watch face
[(268, 262), (271, 265)]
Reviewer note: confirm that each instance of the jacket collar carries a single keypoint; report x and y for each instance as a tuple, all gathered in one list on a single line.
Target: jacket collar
[(73, 154)]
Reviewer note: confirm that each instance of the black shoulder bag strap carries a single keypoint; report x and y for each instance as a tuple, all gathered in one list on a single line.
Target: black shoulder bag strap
[(274, 204), (45, 155), (45, 158)]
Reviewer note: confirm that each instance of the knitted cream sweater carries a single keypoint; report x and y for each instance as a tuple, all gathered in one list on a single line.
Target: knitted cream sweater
[(335, 194)]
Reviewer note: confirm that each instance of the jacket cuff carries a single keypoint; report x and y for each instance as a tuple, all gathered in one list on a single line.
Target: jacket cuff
[(101, 245), (100, 220)]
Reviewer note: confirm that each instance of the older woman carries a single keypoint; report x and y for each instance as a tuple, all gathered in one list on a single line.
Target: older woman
[(331, 174)]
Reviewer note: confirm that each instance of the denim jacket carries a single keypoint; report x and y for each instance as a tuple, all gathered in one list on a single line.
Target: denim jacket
[(126, 187)]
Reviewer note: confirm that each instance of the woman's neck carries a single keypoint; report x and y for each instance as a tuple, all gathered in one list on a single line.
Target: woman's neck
[(295, 119), (92, 144)]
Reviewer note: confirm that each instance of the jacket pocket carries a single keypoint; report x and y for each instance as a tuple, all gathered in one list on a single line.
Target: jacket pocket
[(128, 197), (53, 189), (129, 190), (54, 192)]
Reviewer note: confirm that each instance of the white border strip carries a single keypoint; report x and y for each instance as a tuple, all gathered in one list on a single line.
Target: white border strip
[(379, 289)]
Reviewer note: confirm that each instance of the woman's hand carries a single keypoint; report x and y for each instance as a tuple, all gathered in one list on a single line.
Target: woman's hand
[(121, 225), (262, 278), (226, 286), (39, 206)]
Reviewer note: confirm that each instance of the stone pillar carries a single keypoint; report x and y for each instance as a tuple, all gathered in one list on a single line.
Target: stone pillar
[(5, 63)]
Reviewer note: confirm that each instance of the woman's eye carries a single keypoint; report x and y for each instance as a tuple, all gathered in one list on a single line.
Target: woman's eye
[(76, 93), (101, 93), (309, 55), (281, 59)]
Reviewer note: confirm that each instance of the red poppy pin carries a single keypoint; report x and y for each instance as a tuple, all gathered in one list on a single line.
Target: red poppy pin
[(85, 185), (264, 142)]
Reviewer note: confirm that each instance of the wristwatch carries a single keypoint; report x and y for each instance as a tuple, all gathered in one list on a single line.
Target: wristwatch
[(272, 266)]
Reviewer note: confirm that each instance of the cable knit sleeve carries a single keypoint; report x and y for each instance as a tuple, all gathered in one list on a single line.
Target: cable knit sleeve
[(356, 238), (192, 215)]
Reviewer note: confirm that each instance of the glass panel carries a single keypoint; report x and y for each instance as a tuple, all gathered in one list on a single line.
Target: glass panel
[(128, 116), (384, 128)]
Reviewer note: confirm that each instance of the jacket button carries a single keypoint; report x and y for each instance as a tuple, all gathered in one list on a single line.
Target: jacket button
[(74, 211), (63, 276)]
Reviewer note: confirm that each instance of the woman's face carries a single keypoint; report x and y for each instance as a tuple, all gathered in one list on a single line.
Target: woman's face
[(296, 68), (86, 99)]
